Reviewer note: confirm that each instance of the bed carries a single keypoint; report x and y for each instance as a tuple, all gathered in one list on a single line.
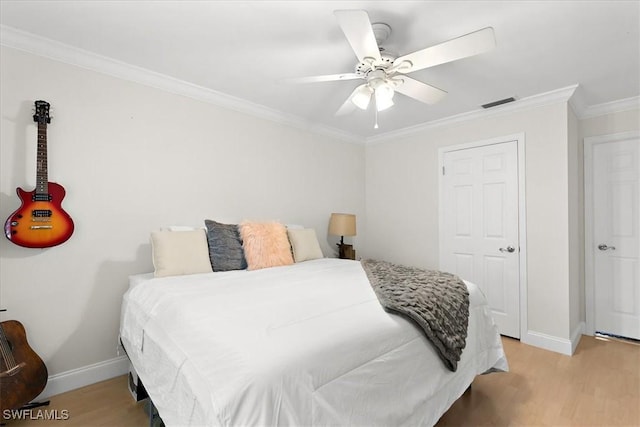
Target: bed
[(306, 344)]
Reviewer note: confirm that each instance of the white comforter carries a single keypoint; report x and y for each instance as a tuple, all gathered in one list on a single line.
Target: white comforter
[(301, 345)]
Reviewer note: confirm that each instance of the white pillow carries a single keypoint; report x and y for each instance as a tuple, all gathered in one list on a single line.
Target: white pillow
[(304, 244), (183, 228), (293, 227), (180, 252)]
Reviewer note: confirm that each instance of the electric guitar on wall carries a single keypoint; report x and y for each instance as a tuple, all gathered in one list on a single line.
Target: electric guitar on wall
[(40, 222)]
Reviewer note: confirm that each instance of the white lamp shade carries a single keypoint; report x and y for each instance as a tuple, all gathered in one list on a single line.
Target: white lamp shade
[(384, 97), (362, 96)]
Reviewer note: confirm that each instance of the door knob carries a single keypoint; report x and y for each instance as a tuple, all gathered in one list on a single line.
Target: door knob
[(604, 247), (508, 249)]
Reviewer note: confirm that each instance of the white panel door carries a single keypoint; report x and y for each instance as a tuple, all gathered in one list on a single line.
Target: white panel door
[(479, 196), (616, 221)]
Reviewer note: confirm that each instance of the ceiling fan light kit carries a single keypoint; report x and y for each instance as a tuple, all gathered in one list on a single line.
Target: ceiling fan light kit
[(362, 96), (384, 73), (377, 85), (384, 95)]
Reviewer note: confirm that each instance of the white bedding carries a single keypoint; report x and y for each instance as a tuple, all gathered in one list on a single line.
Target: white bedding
[(302, 345)]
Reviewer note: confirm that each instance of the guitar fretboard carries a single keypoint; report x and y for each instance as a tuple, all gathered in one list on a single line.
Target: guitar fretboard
[(42, 178)]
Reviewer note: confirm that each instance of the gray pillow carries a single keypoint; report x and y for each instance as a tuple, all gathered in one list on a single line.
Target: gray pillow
[(225, 246)]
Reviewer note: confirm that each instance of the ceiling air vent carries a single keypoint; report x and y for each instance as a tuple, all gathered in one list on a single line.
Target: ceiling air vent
[(500, 102)]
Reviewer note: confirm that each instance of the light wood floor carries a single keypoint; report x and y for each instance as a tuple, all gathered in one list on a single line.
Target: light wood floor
[(598, 386)]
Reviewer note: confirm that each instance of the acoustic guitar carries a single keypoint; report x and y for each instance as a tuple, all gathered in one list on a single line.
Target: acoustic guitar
[(40, 222), (23, 374)]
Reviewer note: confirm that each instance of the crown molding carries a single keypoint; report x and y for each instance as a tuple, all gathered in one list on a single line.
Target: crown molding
[(577, 102), (547, 98), (618, 106), (41, 46)]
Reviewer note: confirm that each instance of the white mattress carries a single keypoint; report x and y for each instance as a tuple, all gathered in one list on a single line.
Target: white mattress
[(307, 344)]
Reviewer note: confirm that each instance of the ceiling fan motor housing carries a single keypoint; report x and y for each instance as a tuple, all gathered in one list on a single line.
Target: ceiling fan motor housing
[(363, 68), (381, 32)]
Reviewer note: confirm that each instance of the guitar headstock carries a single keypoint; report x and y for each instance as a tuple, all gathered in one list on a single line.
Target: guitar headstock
[(42, 113)]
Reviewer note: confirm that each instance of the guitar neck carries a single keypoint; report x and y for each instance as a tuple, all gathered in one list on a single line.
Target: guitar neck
[(42, 175)]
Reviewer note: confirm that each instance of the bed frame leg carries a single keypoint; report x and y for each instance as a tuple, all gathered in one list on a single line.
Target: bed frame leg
[(154, 416)]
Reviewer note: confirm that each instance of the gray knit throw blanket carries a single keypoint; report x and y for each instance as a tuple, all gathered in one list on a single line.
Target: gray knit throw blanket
[(438, 302)]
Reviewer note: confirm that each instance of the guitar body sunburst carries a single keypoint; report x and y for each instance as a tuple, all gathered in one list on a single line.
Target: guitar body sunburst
[(39, 223)]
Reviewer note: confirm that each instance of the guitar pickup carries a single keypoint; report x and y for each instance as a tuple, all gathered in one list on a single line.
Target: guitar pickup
[(41, 227), (41, 213), (41, 197)]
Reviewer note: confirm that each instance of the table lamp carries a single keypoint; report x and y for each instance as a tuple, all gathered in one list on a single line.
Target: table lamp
[(342, 224)]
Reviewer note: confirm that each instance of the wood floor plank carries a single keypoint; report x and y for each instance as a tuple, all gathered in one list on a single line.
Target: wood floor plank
[(598, 386), (107, 403)]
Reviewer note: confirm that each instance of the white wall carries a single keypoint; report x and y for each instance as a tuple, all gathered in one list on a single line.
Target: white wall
[(576, 225), (133, 159), (607, 124), (402, 203)]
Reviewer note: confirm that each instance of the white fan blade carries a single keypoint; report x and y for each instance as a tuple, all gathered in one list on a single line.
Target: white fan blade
[(420, 91), (468, 45), (346, 108), (348, 105), (356, 26), (325, 78)]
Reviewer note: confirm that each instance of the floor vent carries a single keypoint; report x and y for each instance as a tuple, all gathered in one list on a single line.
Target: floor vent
[(500, 102)]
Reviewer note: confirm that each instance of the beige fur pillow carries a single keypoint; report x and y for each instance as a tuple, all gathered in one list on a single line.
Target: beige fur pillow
[(304, 243), (265, 244), (180, 252)]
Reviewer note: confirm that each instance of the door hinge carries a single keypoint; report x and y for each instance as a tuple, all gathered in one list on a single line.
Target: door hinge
[(443, 170)]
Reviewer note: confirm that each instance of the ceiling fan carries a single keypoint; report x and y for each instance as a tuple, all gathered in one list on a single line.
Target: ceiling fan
[(384, 73)]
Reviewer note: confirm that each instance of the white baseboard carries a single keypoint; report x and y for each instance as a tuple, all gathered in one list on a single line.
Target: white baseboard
[(76, 378), (576, 335), (548, 342)]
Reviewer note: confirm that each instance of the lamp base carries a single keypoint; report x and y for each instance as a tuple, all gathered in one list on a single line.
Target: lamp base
[(346, 251)]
